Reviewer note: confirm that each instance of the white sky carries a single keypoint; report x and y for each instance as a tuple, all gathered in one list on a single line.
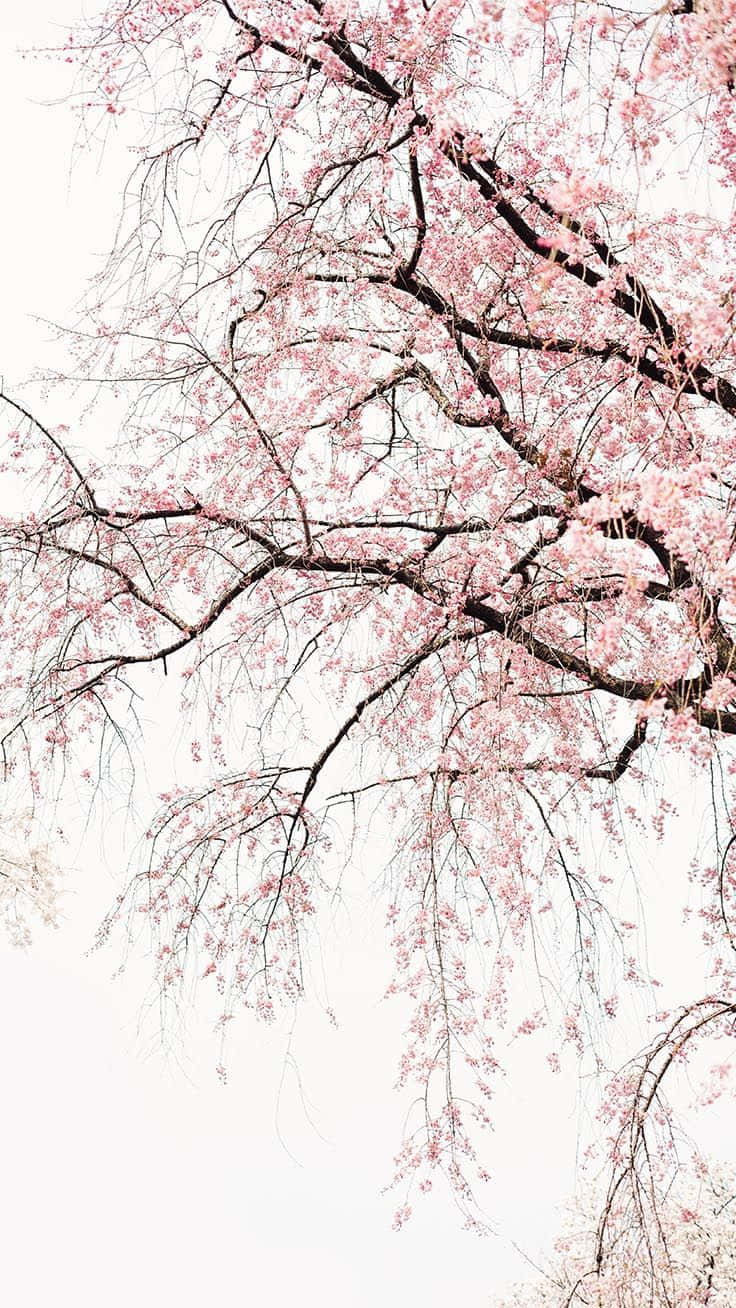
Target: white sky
[(129, 1177)]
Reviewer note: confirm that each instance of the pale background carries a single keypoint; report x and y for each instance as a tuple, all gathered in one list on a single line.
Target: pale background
[(128, 1174)]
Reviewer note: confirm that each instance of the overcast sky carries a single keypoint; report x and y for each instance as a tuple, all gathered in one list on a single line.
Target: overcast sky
[(128, 1173)]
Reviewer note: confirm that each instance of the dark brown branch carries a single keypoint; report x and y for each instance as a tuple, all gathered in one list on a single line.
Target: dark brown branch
[(614, 771)]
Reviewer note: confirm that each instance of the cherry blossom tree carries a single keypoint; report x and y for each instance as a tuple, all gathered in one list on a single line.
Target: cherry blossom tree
[(30, 879), (692, 1261), (421, 316)]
